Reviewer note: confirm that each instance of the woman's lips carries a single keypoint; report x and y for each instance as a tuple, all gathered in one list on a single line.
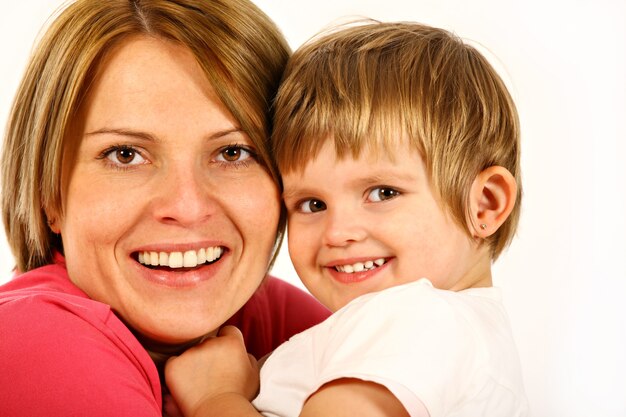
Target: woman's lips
[(181, 259), (180, 269)]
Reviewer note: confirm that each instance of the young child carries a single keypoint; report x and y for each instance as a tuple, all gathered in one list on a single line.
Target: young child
[(399, 149)]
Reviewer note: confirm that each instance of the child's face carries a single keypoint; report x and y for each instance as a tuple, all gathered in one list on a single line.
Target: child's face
[(363, 225)]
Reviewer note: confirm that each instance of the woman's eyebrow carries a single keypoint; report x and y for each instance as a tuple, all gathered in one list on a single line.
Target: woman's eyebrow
[(149, 137), (123, 132), (226, 132)]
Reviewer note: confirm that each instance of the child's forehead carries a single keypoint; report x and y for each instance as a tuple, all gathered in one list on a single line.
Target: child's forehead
[(329, 172), (372, 153), (295, 156), (371, 149)]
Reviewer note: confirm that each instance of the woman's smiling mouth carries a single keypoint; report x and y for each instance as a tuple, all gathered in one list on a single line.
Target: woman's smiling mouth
[(179, 259)]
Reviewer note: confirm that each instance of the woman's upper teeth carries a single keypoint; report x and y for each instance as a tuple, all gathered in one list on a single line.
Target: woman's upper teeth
[(360, 266), (187, 259)]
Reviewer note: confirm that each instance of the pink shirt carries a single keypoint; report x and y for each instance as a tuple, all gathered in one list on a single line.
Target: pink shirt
[(63, 354)]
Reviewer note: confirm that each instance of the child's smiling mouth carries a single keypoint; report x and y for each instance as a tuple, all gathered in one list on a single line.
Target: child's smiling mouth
[(360, 266)]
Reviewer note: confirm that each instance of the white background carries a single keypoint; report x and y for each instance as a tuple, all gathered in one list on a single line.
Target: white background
[(564, 277)]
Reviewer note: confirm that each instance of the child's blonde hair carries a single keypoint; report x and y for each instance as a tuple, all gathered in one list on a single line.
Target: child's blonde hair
[(369, 85)]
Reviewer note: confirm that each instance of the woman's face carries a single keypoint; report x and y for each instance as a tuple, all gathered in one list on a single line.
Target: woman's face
[(164, 175)]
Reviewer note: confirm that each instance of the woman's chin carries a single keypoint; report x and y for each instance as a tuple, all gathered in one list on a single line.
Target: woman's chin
[(171, 341)]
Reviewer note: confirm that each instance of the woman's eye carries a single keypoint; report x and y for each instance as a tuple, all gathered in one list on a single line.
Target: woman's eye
[(124, 155), (312, 206), (234, 153), (382, 194)]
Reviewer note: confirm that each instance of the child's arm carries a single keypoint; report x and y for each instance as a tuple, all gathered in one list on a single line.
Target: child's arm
[(219, 378), (354, 397), (215, 378)]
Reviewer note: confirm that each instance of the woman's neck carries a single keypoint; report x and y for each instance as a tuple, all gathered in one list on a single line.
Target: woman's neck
[(160, 351)]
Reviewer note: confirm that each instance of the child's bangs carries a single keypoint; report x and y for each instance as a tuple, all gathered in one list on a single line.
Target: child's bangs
[(372, 129), (368, 112)]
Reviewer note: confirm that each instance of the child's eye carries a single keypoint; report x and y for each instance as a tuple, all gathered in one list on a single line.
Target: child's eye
[(234, 153), (123, 155), (382, 193), (311, 206)]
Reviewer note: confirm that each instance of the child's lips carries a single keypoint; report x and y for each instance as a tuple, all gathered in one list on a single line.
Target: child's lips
[(353, 272), (360, 266)]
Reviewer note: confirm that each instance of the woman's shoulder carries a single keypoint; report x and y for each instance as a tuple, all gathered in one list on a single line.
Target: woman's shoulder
[(57, 341), (48, 292), (52, 277)]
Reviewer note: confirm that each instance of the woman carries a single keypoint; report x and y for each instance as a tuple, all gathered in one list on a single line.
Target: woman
[(146, 208)]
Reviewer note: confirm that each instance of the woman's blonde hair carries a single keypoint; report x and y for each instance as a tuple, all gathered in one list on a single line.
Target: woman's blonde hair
[(365, 86), (240, 49)]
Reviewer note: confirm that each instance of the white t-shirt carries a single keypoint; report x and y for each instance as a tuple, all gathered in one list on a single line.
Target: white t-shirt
[(450, 352)]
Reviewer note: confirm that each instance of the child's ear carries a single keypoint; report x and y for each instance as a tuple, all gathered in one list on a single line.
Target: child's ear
[(492, 198)]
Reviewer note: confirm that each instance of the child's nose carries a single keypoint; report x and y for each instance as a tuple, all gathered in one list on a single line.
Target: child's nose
[(344, 227)]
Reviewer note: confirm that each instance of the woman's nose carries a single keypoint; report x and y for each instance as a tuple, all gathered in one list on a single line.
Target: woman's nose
[(185, 196), (344, 226)]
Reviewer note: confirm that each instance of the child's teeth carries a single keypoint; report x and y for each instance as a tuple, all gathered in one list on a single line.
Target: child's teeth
[(360, 266)]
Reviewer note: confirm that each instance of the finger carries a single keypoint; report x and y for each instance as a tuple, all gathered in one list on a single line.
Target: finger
[(230, 331), (253, 362), (170, 360)]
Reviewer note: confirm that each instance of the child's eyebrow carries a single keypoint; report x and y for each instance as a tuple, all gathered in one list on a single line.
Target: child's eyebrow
[(389, 178), (385, 178), (297, 193)]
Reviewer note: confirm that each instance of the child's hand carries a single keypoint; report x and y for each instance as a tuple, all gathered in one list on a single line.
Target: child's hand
[(217, 366)]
